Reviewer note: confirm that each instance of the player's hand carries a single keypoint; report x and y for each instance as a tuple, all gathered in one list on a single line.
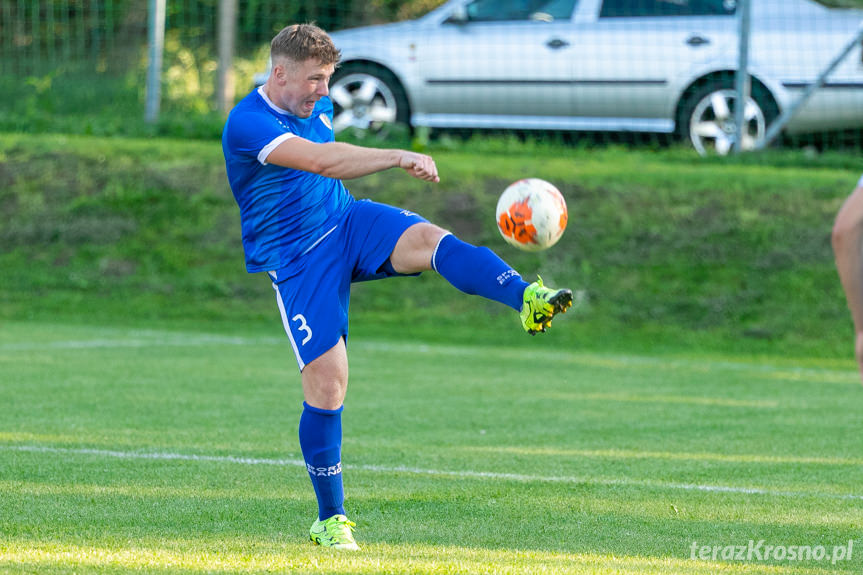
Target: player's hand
[(419, 166)]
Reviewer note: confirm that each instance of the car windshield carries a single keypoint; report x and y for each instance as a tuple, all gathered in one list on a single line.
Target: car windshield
[(647, 8), (504, 10)]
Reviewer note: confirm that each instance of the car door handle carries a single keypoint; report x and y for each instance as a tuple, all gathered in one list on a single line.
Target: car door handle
[(557, 43), (697, 40)]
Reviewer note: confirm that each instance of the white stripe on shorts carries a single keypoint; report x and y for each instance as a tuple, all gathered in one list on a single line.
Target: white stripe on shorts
[(285, 322)]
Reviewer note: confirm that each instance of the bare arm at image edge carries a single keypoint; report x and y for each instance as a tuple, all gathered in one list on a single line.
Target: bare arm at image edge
[(346, 161), (848, 251)]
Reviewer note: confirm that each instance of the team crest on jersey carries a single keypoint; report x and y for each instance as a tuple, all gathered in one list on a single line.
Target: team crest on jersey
[(326, 120)]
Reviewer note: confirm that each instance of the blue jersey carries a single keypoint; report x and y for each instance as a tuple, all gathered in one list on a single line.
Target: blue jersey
[(284, 212)]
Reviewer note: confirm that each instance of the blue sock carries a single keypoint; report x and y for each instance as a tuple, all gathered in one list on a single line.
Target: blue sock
[(321, 442), (478, 271)]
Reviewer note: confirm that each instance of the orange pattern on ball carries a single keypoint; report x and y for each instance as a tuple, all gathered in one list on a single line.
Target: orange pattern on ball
[(514, 224)]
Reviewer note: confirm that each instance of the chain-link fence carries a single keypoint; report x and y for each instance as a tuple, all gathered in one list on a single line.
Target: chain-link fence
[(615, 69), (81, 65)]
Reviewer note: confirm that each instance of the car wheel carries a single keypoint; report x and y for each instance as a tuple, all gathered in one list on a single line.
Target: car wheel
[(707, 120), (367, 101)]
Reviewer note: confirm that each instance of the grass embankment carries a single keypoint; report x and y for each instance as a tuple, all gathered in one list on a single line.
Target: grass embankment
[(669, 251)]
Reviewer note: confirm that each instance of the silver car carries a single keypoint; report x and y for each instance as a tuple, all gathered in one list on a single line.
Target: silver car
[(660, 66)]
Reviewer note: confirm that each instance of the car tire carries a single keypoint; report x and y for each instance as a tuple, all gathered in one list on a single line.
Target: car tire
[(706, 116), (368, 101)]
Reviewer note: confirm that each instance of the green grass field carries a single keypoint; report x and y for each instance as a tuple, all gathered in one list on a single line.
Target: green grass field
[(701, 396), (165, 451)]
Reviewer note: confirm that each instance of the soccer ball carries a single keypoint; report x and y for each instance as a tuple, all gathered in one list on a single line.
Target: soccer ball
[(531, 214)]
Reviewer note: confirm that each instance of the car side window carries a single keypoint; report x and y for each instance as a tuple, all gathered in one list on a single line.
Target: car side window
[(649, 8), (508, 10)]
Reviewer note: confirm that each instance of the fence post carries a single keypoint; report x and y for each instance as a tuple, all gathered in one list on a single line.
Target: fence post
[(741, 78), (227, 34), (156, 33)]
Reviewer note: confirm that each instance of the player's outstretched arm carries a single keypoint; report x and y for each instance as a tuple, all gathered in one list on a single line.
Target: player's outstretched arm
[(345, 161), (847, 236)]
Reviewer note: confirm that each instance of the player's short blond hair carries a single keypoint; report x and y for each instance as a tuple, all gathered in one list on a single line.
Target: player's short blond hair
[(301, 42)]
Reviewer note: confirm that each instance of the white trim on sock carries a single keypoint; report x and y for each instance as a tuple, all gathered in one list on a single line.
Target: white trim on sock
[(434, 253)]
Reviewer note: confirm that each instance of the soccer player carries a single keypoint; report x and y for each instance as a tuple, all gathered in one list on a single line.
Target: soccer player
[(302, 226), (847, 238)]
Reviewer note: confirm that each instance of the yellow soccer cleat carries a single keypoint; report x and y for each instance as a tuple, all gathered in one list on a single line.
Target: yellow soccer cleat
[(541, 304), (335, 532)]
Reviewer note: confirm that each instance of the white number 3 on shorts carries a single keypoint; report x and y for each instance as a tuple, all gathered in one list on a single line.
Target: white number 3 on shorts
[(303, 327)]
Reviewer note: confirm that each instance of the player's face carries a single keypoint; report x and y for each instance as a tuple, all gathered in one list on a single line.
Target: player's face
[(297, 86)]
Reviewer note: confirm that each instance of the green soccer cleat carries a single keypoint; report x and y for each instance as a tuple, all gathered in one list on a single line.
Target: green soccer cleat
[(335, 532), (541, 304)]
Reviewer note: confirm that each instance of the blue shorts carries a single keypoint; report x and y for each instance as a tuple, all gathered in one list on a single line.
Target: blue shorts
[(313, 292)]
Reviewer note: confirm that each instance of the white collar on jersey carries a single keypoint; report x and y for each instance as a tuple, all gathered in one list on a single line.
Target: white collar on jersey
[(270, 102)]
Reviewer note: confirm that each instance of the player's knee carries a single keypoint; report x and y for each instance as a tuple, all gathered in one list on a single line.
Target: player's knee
[(431, 235), (414, 250), (325, 393), (325, 379)]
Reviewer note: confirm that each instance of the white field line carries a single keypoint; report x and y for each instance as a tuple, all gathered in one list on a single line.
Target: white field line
[(462, 474), (152, 338), (167, 340)]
